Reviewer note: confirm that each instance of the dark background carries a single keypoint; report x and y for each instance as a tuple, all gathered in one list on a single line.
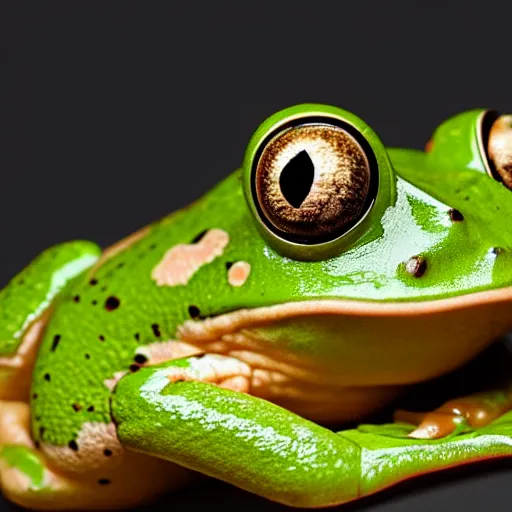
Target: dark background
[(113, 114)]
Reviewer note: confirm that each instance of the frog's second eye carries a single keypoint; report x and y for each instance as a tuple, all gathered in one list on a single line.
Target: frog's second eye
[(313, 181), (499, 148)]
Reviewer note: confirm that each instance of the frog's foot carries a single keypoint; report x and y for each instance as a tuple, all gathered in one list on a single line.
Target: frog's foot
[(472, 412), (27, 479)]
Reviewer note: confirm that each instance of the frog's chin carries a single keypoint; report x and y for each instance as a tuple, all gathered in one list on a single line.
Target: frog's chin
[(415, 340)]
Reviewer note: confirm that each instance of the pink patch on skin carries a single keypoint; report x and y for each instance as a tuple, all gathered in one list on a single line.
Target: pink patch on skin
[(238, 273), (182, 261)]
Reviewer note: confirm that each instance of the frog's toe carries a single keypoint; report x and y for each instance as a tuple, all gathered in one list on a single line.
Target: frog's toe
[(26, 480), (23, 477), (431, 425), (461, 414)]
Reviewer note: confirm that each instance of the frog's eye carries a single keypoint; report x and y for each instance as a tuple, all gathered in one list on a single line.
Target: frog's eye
[(499, 149), (313, 181), (317, 178)]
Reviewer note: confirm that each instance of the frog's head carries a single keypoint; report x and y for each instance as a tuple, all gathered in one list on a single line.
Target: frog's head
[(350, 243), (319, 181)]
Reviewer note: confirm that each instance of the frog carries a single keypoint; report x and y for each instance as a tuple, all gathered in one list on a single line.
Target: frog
[(249, 336)]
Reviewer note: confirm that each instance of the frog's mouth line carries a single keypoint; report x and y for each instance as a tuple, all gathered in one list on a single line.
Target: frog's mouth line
[(214, 327), (366, 343)]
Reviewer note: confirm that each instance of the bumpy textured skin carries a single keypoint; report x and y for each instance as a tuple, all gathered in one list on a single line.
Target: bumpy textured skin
[(103, 316), (81, 362)]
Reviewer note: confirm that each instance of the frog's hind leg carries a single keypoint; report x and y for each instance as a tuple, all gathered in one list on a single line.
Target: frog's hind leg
[(16, 369), (25, 306), (25, 476)]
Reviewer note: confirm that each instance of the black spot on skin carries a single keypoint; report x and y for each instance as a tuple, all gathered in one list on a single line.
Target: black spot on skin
[(112, 303), (47, 377), (37, 445), (87, 356), (466, 198), (152, 246), (497, 250), (93, 282), (90, 408), (194, 312), (120, 265), (104, 481), (55, 343), (42, 430), (35, 396), (94, 302), (38, 418), (107, 452), (198, 237), (229, 264), (140, 358), (137, 336), (21, 281), (455, 215), (76, 298), (134, 367), (156, 330), (416, 266), (101, 337), (103, 288), (77, 407), (73, 445)]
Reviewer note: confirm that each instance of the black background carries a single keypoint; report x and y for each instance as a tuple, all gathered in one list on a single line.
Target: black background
[(114, 114)]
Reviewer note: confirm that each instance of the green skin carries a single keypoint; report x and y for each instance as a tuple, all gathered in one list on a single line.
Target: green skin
[(100, 319)]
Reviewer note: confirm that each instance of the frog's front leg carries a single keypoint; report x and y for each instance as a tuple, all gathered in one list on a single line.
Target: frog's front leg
[(174, 411), (168, 411), (469, 412)]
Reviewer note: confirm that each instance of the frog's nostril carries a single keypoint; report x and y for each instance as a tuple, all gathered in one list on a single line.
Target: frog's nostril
[(297, 178)]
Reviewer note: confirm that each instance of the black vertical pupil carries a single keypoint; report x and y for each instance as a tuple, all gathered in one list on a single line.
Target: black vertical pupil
[(297, 178)]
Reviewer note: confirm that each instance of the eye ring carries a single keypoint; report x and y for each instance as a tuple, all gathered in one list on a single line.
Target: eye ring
[(346, 180)]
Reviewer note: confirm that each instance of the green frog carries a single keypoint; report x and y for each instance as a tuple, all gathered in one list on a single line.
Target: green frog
[(307, 290)]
